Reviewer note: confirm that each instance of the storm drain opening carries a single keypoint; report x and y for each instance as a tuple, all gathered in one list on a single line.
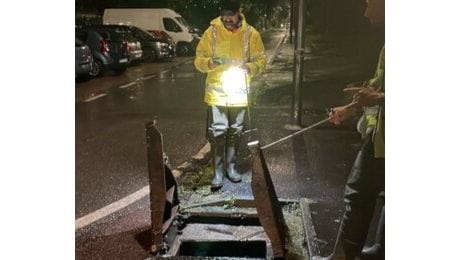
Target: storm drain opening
[(229, 248), (215, 226), (213, 231)]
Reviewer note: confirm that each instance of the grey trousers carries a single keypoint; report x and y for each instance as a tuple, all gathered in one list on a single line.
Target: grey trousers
[(225, 121)]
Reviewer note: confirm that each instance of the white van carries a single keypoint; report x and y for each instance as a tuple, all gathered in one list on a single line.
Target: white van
[(156, 19)]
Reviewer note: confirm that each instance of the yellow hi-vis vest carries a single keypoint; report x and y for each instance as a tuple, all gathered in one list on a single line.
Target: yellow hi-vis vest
[(244, 45), (378, 121)]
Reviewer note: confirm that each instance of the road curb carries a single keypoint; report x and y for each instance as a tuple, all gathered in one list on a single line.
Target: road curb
[(309, 228)]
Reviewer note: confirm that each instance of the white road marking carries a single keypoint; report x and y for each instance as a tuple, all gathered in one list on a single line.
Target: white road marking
[(130, 199), (202, 152), (149, 77), (111, 208), (128, 85), (95, 97)]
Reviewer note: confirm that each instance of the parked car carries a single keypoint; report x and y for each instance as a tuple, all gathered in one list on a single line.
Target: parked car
[(153, 47), (196, 31), (83, 60), (108, 52), (135, 46), (162, 35)]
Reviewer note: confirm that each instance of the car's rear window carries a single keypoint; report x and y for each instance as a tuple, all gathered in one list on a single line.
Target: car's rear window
[(110, 35), (141, 34)]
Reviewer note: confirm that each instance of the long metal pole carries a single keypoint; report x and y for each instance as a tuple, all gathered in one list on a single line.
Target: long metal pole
[(296, 133), (350, 105), (291, 20)]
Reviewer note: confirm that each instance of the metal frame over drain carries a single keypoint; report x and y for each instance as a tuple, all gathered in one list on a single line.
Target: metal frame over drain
[(257, 219)]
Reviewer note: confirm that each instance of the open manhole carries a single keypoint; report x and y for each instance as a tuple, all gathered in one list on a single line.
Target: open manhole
[(210, 233), (229, 248)]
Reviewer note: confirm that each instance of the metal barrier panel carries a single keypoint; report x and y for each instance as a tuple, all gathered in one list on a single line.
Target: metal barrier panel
[(266, 201), (156, 183)]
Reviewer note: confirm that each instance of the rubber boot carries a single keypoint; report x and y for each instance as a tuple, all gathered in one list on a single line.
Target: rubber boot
[(230, 159), (217, 152), (377, 250)]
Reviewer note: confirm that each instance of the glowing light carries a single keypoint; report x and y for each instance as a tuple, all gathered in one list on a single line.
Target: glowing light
[(234, 81)]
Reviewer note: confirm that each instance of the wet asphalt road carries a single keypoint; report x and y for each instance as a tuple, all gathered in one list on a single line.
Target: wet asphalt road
[(110, 136)]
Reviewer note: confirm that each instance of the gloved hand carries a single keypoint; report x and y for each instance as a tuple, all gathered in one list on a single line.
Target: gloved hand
[(214, 62), (218, 60)]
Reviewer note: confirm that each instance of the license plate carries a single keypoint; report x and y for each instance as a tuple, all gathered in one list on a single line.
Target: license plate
[(124, 60), (138, 55)]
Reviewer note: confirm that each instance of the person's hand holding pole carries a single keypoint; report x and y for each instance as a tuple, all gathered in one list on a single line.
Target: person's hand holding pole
[(339, 114)]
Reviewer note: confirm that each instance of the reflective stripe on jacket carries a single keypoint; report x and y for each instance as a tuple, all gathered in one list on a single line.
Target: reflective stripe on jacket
[(234, 48)]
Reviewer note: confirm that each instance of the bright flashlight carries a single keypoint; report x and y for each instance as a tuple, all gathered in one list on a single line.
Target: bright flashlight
[(234, 82)]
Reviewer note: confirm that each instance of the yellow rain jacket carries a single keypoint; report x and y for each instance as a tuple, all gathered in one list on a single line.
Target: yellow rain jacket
[(379, 134), (235, 48)]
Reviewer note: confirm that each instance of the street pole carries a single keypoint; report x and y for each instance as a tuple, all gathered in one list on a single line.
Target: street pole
[(299, 51), (291, 20)]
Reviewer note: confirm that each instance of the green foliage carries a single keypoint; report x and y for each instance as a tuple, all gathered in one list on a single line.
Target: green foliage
[(230, 202), (196, 181)]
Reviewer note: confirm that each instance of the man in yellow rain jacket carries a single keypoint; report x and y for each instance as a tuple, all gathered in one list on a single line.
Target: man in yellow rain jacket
[(229, 45)]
